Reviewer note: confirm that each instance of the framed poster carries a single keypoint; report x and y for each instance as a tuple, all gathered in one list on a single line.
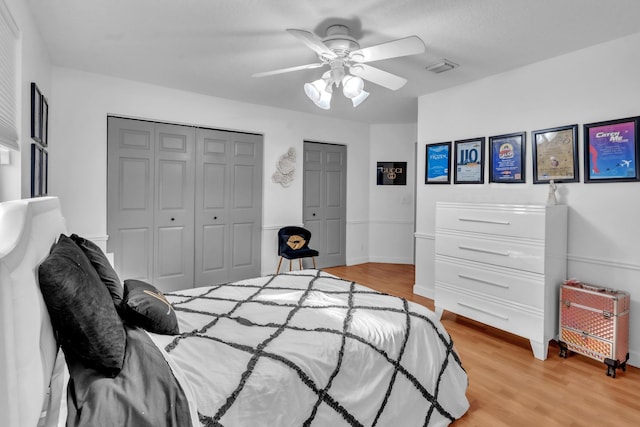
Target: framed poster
[(555, 154), (44, 185), (36, 113), (44, 122), (36, 170), (611, 150), (469, 161), (391, 173), (437, 163), (506, 158)]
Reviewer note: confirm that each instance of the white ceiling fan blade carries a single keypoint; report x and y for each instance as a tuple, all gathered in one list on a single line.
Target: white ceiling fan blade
[(411, 45), (312, 41), (377, 76), (287, 70)]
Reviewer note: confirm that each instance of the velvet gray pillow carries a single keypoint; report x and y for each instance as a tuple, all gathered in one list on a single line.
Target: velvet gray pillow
[(145, 306), (102, 266), (82, 312)]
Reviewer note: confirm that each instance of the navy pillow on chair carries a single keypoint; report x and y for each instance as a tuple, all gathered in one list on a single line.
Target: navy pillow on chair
[(81, 310), (293, 243), (145, 306)]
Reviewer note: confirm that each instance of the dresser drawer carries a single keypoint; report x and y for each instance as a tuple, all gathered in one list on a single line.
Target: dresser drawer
[(512, 285), (510, 318), (521, 221), (511, 254)]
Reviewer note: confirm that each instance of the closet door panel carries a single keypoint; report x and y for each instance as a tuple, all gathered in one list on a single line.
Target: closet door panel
[(212, 198), (130, 187), (213, 245), (242, 245), (134, 254), (245, 213), (324, 201), (174, 207)]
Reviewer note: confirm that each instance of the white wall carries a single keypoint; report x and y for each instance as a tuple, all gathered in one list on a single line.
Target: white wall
[(391, 207), (80, 103), (34, 66), (591, 85)]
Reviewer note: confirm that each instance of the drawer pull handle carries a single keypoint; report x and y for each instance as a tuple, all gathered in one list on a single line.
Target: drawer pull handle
[(482, 310), (487, 221), (486, 251), (475, 279)]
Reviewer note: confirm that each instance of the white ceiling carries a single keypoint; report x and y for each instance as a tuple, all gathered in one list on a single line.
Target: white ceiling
[(214, 46)]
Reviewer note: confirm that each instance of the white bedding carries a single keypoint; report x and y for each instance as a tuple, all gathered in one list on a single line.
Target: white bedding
[(307, 348)]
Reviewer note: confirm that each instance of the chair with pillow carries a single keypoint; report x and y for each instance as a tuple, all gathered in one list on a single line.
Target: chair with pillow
[(293, 243)]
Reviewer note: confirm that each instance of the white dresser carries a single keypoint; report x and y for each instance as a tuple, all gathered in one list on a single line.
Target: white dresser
[(502, 265)]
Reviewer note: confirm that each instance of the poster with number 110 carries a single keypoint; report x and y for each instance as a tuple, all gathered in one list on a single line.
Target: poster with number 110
[(469, 161)]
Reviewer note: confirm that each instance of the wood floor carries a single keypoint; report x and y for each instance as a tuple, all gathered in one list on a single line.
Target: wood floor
[(507, 385)]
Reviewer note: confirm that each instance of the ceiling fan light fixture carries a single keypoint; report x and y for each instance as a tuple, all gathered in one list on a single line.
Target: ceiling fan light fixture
[(317, 92), (314, 89), (325, 100), (352, 86), (357, 100)]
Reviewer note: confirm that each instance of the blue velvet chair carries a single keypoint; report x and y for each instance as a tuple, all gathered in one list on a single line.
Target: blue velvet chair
[(293, 243)]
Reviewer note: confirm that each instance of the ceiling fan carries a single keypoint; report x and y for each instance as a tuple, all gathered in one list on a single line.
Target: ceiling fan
[(348, 64)]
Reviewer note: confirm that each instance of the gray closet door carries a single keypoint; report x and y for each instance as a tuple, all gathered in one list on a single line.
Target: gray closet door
[(174, 207), (228, 206), (184, 204), (325, 201), (130, 196), (150, 208)]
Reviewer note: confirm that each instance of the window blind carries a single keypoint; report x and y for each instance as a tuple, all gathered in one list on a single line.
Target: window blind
[(8, 78)]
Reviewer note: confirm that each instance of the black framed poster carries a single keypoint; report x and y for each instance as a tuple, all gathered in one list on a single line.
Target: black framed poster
[(437, 163), (555, 154), (611, 150), (506, 158), (469, 161), (391, 173)]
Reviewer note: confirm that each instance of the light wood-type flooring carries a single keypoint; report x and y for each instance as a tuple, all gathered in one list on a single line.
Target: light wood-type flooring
[(507, 385)]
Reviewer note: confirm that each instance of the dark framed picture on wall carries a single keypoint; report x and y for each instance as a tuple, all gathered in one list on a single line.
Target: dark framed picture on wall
[(44, 122), (611, 150), (36, 113), (469, 161), (36, 170), (44, 185), (391, 173), (506, 158), (555, 154), (438, 161)]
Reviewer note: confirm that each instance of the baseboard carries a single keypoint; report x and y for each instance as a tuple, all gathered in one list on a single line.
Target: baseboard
[(356, 261), (423, 291), (391, 260)]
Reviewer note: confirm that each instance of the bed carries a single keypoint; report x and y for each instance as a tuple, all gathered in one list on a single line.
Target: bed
[(298, 348)]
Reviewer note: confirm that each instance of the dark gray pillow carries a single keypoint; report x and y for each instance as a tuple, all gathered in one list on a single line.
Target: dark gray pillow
[(103, 267), (82, 312), (145, 306)]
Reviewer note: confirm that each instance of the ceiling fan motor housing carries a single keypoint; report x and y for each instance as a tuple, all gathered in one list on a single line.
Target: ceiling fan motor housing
[(339, 40)]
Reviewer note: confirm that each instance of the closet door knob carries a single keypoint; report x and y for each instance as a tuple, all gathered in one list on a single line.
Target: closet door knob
[(215, 217), (173, 219)]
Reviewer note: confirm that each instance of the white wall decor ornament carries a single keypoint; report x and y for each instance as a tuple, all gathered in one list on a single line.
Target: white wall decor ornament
[(285, 168)]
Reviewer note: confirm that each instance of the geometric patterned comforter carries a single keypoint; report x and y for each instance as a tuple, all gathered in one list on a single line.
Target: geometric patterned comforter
[(306, 348)]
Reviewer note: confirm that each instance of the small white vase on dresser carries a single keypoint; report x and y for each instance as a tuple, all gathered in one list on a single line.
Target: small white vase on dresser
[(502, 265)]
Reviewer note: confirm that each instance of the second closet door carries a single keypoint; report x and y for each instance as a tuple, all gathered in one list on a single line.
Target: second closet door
[(228, 200), (174, 207)]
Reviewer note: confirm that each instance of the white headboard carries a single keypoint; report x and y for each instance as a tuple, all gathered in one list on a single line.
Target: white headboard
[(28, 229)]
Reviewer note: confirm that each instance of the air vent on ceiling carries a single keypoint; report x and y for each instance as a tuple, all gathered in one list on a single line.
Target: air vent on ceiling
[(442, 66)]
